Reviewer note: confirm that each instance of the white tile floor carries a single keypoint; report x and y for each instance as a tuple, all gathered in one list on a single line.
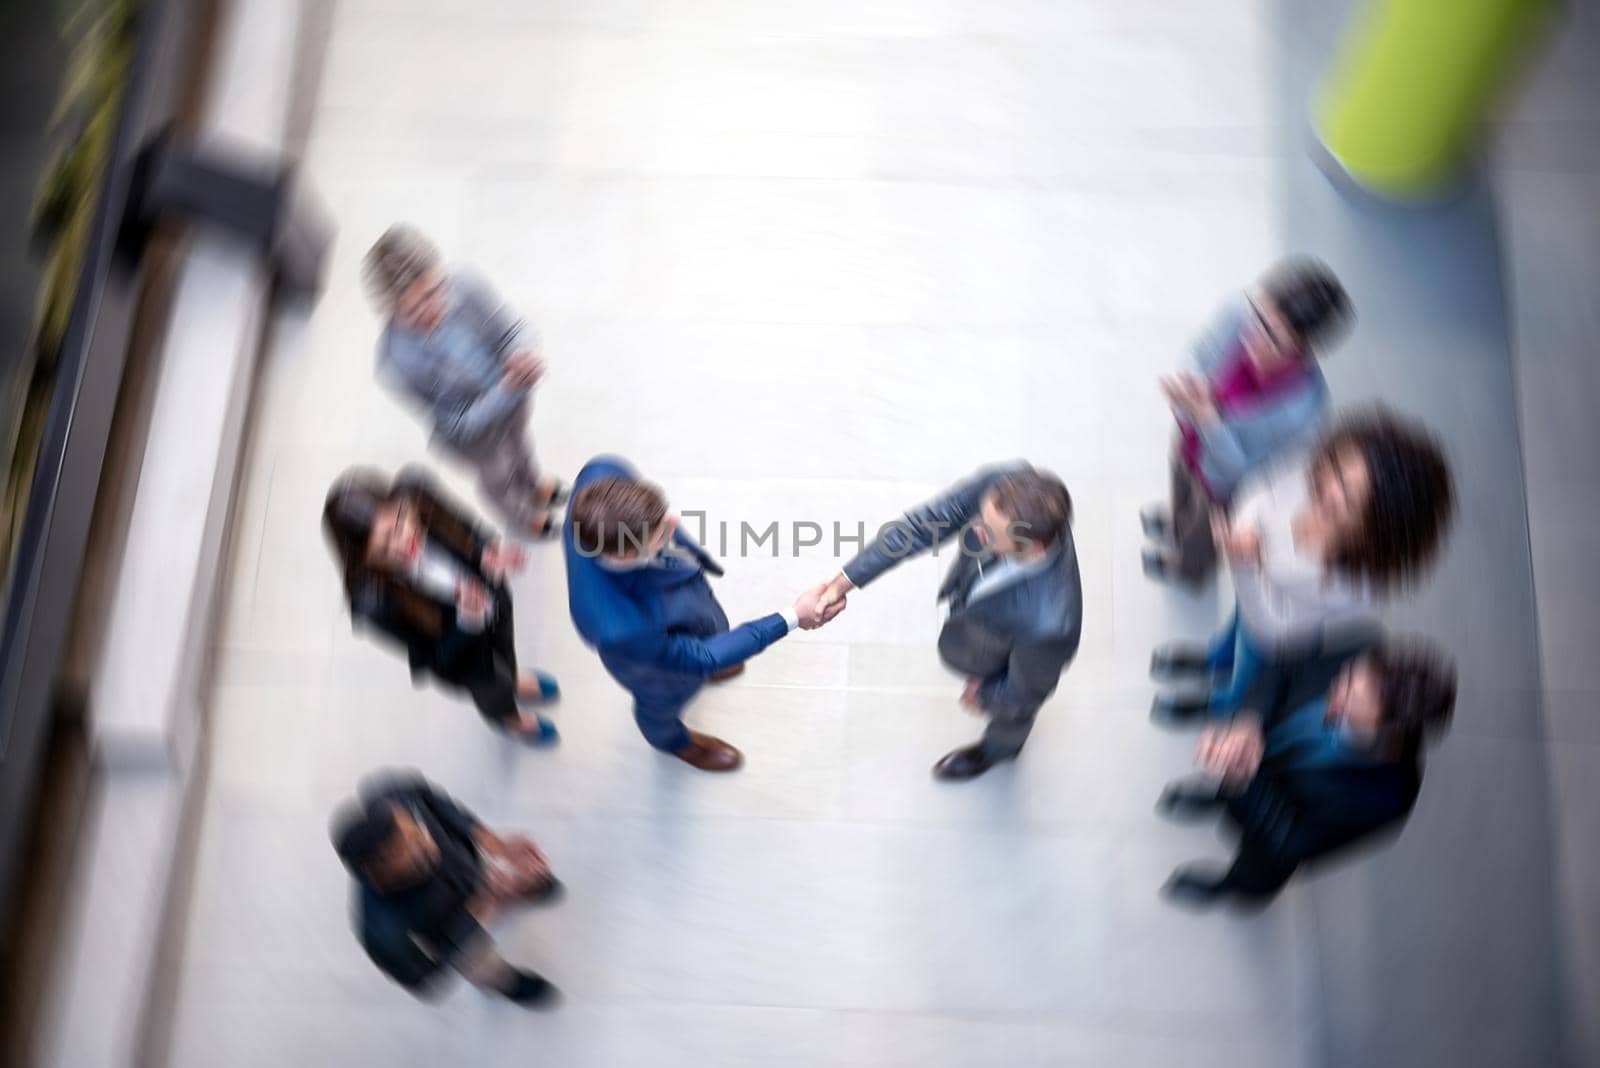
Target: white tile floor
[(799, 262)]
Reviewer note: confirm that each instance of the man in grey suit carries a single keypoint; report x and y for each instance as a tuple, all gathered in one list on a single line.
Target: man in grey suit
[(1015, 601), (450, 347)]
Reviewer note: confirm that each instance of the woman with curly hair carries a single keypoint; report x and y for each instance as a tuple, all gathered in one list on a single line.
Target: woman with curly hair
[(424, 573), (1314, 545)]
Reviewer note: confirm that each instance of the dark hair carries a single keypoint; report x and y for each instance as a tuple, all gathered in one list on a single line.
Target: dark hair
[(1311, 299), (348, 514), (1036, 501), (1411, 498), (614, 514), (360, 832), (1417, 691)]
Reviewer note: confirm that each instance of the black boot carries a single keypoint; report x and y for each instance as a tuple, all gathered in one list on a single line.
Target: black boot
[(530, 990), (1177, 660), (1168, 711), (1189, 802), (1196, 885)]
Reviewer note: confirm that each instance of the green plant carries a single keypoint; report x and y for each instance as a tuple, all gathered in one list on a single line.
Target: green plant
[(102, 33)]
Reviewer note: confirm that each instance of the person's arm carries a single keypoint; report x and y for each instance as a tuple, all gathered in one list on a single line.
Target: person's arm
[(503, 330), (1033, 670), (1221, 334), (450, 813), (1280, 610), (928, 524), (456, 416), (1239, 443), (688, 655)]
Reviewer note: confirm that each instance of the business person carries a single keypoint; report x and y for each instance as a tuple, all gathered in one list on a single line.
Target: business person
[(639, 595), (425, 574), (450, 347), (1253, 393), (1014, 597), (1326, 756), (1314, 546), (429, 879)]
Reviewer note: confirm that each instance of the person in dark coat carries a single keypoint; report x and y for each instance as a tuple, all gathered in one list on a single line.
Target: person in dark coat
[(429, 876), (1324, 756), (424, 573)]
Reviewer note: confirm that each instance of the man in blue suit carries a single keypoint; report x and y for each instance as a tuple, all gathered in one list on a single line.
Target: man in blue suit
[(637, 589)]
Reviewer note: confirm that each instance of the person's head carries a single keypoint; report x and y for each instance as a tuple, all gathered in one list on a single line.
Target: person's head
[(1394, 697), (1024, 513), (406, 278), (1296, 311), (1381, 488), (368, 524), (623, 520), (381, 843)]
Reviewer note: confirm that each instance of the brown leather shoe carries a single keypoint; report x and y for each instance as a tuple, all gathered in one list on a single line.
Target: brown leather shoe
[(724, 676), (709, 754)]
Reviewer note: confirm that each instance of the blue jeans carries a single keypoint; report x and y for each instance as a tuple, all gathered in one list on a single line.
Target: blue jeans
[(1232, 651)]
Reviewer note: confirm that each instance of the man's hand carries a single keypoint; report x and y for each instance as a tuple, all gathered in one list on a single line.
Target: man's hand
[(472, 601), (1234, 752), (1190, 397), (969, 696), (501, 559), (834, 590), (812, 612), (523, 370)]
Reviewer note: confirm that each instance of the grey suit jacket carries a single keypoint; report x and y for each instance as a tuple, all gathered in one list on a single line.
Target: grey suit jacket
[(464, 402), (1018, 638)]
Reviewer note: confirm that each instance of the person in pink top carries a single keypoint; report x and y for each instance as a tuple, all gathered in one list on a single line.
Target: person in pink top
[(1255, 393)]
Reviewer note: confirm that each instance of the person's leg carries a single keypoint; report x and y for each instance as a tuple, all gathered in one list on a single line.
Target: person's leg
[(518, 443), (1194, 550), (660, 719), (1248, 660), (1003, 738), (1222, 649), (498, 463)]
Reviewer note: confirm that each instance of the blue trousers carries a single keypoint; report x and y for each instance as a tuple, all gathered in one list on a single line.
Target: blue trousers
[(1233, 651), (659, 698)]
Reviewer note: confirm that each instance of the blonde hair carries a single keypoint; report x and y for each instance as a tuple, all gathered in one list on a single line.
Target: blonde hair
[(400, 257)]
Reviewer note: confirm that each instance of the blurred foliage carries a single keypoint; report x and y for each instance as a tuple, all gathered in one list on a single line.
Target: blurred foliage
[(101, 34)]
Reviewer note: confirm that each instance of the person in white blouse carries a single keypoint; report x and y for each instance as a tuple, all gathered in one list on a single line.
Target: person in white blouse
[(1314, 545)]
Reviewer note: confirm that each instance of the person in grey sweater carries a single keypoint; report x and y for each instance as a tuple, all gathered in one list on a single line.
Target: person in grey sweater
[(1015, 599), (450, 347), (1254, 394)]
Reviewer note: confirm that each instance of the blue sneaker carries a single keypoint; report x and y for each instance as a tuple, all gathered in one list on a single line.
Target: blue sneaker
[(549, 691), (546, 735)]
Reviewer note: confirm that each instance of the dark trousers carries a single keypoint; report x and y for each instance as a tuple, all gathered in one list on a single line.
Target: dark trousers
[(1193, 550), (978, 654), (487, 669)]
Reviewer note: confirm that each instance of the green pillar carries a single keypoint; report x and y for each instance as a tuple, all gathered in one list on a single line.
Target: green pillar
[(1404, 105)]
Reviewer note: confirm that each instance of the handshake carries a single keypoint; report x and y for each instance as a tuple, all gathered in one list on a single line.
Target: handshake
[(821, 604)]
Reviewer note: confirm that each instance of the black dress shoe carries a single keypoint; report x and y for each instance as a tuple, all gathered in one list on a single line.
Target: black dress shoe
[(1196, 885), (1177, 711), (1171, 661), (1154, 521), (1155, 564), (962, 764), (1189, 803), (531, 990)]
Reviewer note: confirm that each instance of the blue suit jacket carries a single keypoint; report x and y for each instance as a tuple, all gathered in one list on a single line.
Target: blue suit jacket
[(621, 614)]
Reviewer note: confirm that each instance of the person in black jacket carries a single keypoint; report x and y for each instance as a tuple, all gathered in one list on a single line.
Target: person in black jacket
[(429, 876), (1331, 757), (423, 572)]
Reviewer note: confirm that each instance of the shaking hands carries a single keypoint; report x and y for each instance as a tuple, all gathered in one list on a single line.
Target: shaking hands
[(821, 604)]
